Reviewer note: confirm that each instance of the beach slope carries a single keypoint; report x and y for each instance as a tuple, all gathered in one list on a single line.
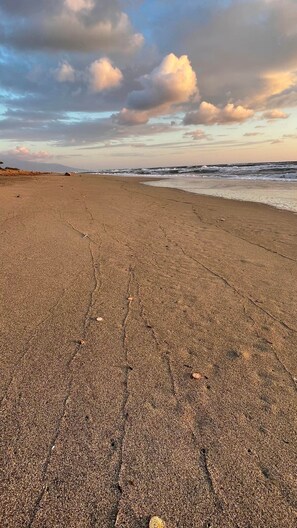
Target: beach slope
[(113, 295)]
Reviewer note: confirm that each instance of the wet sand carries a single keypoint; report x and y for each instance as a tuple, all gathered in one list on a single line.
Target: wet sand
[(281, 194), (102, 423)]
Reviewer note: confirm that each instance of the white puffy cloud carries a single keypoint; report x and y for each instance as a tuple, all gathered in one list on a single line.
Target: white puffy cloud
[(104, 76), (275, 114), (170, 84), (65, 73), (209, 114), (78, 5)]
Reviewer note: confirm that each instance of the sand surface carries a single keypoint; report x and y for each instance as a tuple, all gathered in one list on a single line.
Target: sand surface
[(102, 423)]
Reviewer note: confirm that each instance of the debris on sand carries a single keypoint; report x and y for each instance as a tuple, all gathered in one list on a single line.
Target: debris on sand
[(196, 375), (81, 342), (156, 522), (99, 319)]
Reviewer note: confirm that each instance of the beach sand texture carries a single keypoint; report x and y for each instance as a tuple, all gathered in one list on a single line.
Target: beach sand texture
[(102, 422)]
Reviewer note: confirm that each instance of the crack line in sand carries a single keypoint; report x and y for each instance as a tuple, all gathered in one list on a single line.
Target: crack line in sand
[(227, 283), (88, 211), (51, 449), (84, 235), (241, 238), (282, 323), (112, 235), (165, 354), (36, 507), (28, 344), (208, 477), (52, 445), (289, 373), (126, 370), (97, 285)]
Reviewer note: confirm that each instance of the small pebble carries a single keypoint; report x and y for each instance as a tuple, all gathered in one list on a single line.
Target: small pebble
[(196, 375), (156, 522), (81, 342), (130, 298), (99, 319)]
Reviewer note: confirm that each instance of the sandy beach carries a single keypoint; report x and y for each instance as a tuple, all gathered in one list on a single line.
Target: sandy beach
[(113, 294)]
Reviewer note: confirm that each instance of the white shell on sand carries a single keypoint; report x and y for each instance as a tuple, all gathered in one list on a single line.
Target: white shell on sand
[(196, 375), (99, 319), (156, 522)]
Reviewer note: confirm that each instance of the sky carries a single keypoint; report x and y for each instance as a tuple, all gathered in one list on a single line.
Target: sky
[(139, 83)]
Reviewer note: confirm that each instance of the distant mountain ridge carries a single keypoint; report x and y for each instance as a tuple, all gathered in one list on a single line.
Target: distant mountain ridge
[(39, 166)]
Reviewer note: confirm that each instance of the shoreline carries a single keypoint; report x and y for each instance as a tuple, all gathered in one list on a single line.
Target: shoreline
[(114, 295), (283, 194)]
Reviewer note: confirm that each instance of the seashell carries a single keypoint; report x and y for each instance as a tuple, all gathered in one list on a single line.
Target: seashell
[(156, 522), (197, 375), (99, 319)]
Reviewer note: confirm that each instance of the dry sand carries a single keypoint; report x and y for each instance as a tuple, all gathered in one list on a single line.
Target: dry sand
[(102, 423)]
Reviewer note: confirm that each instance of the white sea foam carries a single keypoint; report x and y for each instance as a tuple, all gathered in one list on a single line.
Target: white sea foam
[(280, 194)]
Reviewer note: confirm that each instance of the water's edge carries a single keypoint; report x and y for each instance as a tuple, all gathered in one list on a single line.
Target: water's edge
[(282, 195)]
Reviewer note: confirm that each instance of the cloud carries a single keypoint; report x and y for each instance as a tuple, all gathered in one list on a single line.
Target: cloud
[(74, 25), (277, 141), (275, 114), (104, 76), (24, 152), (209, 114), (242, 49), (131, 117), (197, 135), (65, 73), (79, 5), (171, 83)]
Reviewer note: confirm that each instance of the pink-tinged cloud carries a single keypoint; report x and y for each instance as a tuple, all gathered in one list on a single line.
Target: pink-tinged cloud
[(104, 76), (275, 114), (131, 117), (23, 152), (170, 84), (65, 73), (209, 114)]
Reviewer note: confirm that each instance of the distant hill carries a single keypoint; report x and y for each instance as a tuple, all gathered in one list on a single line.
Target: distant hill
[(39, 166)]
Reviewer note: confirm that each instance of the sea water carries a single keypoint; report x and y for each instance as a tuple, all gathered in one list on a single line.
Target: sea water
[(269, 183)]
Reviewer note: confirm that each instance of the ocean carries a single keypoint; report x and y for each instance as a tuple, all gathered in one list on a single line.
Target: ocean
[(273, 184)]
